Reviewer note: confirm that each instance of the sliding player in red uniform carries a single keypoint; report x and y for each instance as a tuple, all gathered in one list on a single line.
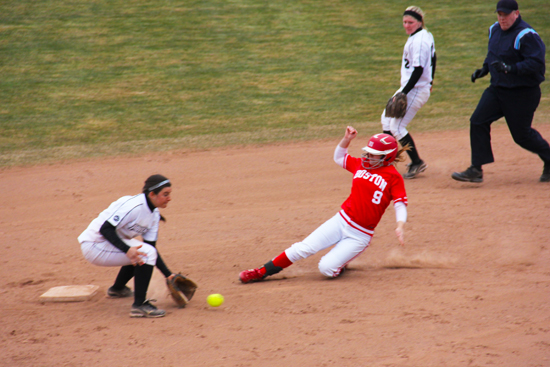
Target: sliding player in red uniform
[(376, 183)]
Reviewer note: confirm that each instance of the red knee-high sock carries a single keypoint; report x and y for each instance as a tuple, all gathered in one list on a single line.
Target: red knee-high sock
[(282, 261)]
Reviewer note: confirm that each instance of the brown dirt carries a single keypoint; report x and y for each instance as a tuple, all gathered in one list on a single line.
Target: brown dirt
[(471, 287)]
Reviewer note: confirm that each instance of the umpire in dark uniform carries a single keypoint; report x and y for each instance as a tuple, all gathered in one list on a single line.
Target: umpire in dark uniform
[(516, 62)]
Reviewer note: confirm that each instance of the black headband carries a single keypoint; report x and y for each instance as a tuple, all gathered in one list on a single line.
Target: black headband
[(413, 14)]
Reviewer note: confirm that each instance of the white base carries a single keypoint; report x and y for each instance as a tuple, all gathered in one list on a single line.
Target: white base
[(69, 293)]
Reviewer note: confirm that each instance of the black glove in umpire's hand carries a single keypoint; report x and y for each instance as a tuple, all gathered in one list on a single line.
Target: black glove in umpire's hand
[(479, 73), (502, 67)]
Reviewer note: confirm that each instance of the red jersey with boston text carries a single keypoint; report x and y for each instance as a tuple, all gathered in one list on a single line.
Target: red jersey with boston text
[(371, 192)]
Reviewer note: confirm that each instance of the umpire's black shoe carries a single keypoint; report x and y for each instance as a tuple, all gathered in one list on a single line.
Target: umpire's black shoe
[(472, 174), (545, 177)]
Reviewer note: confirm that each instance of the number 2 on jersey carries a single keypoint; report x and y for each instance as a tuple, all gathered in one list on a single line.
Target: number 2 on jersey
[(377, 197)]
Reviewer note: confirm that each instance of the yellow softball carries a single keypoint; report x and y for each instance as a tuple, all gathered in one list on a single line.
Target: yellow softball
[(215, 300)]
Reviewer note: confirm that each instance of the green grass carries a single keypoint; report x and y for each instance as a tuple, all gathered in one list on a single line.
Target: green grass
[(97, 77)]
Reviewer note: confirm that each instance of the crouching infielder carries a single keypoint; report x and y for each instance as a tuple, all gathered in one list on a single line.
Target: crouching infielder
[(110, 240)]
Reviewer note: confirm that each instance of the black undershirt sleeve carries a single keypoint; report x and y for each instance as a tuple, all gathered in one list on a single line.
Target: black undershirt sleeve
[(108, 231), (415, 76), (160, 263), (434, 62)]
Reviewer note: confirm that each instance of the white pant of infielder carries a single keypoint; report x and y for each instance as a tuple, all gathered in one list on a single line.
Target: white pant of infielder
[(416, 98), (105, 254), (349, 241)]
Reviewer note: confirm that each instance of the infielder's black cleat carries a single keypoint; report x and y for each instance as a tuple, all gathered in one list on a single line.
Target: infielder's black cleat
[(415, 169), (119, 293), (472, 174), (147, 309)]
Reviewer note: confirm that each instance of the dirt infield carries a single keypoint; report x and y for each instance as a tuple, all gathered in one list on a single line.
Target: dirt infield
[(471, 287)]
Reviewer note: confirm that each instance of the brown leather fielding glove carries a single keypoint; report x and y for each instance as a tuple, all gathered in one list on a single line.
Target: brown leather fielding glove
[(397, 106), (181, 289)]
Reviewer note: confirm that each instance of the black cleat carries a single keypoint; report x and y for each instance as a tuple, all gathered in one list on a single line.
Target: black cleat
[(147, 309), (119, 293), (415, 169)]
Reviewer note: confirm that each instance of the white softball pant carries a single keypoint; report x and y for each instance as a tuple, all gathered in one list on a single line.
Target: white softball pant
[(416, 98), (105, 254), (339, 230)]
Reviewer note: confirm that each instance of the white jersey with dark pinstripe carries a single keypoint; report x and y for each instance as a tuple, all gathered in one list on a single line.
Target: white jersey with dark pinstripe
[(132, 218), (418, 51)]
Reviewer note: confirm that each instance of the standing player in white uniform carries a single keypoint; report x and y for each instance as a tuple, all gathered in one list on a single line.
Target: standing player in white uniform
[(417, 72), (110, 240), (376, 183)]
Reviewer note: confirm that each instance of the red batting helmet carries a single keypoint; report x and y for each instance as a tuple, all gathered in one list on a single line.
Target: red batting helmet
[(380, 144)]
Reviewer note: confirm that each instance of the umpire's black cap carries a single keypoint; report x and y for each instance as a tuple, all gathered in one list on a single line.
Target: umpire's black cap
[(507, 6)]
